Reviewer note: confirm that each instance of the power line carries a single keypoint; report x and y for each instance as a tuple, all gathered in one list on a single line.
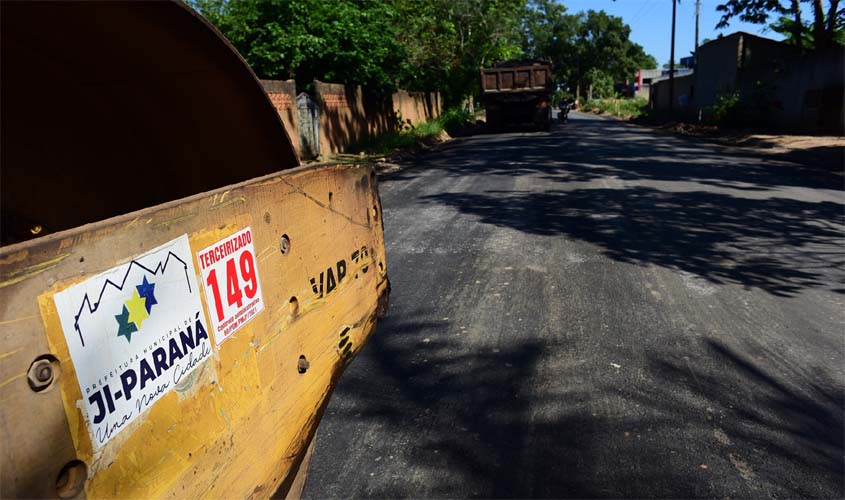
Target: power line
[(642, 9)]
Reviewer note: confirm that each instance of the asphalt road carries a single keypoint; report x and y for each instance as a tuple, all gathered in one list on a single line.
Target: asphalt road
[(599, 311)]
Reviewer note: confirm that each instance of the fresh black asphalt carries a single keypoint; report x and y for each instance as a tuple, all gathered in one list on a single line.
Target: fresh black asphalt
[(599, 311)]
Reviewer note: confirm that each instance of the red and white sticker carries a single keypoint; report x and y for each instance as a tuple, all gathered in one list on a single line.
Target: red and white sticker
[(232, 288)]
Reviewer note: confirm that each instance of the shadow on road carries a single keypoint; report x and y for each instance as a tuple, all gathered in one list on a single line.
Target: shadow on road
[(527, 414), (482, 426), (784, 419), (470, 415), (590, 148), (775, 244), (728, 218)]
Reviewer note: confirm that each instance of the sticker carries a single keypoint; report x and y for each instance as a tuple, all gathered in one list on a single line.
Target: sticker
[(134, 333), (232, 289)]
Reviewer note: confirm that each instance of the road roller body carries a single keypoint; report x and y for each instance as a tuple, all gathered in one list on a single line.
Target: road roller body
[(178, 297)]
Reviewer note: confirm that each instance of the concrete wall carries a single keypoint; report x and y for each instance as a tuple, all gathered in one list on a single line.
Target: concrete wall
[(807, 93), (348, 115), (342, 118), (413, 108), (283, 96), (803, 92), (716, 69), (659, 94)]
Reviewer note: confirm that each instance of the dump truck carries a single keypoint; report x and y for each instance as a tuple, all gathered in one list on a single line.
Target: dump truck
[(517, 95), (179, 296)]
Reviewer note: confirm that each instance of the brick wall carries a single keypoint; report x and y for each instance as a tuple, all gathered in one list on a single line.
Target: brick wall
[(283, 96), (342, 118), (348, 115)]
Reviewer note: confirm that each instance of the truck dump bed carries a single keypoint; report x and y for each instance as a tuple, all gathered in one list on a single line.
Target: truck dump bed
[(517, 94)]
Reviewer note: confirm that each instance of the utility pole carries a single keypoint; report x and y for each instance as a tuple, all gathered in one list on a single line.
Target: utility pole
[(672, 63), (697, 17)]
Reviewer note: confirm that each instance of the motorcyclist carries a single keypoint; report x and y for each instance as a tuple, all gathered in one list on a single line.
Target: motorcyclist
[(565, 105)]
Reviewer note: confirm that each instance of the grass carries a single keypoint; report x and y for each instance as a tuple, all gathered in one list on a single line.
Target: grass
[(398, 140), (623, 108)]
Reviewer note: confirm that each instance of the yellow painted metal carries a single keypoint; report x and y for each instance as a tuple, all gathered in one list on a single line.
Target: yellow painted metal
[(248, 415)]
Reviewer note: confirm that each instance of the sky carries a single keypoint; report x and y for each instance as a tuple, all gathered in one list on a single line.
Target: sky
[(651, 23)]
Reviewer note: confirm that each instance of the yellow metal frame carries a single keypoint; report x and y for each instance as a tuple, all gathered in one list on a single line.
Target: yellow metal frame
[(243, 424)]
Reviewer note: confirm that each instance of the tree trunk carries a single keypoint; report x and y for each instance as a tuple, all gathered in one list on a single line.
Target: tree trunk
[(818, 25), (831, 16), (590, 92)]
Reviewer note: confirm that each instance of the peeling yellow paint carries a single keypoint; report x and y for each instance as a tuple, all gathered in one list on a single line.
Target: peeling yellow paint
[(175, 220), (10, 353), (221, 204), (12, 379), (16, 320), (33, 270), (267, 252)]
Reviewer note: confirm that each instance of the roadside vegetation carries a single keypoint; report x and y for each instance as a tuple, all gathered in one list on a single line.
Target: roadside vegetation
[(452, 121), (623, 108), (439, 46), (424, 45)]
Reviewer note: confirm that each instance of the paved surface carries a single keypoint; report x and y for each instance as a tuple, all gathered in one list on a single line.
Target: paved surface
[(599, 311)]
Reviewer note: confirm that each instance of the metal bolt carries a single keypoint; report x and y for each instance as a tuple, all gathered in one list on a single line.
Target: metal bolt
[(284, 244), (45, 373), (303, 365), (40, 374)]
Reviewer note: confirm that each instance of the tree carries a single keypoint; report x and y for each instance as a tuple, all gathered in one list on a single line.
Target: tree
[(427, 45), (449, 40), (343, 41), (601, 84), (585, 48), (826, 30)]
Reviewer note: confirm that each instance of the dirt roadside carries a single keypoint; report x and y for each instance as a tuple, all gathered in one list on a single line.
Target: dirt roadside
[(825, 152)]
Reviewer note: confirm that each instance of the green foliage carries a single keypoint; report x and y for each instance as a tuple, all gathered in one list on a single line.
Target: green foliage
[(398, 140), (824, 29), (734, 110), (602, 83), (454, 118), (424, 45), (451, 120), (343, 41), (725, 110), (624, 108), (447, 41), (584, 48)]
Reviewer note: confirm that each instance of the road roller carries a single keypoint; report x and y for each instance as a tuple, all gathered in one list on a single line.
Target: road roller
[(178, 295)]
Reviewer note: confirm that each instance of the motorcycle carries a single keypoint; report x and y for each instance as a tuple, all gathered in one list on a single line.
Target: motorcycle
[(565, 106)]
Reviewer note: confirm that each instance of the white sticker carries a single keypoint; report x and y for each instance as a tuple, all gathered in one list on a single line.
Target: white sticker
[(134, 333), (232, 288)]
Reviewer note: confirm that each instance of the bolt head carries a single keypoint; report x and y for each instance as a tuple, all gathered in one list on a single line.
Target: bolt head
[(303, 365), (45, 373), (40, 374)]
